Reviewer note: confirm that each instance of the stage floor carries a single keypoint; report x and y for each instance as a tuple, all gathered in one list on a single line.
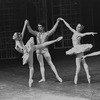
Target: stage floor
[(14, 82)]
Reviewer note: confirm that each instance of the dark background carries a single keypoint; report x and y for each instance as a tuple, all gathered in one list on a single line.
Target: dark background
[(25, 9), (90, 9)]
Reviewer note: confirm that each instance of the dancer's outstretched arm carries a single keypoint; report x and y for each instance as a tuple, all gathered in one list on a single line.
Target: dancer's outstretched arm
[(23, 30), (48, 43), (88, 33), (92, 54), (30, 29), (54, 28), (71, 29)]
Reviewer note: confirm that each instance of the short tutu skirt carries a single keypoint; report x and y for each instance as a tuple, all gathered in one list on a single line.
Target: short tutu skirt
[(79, 48)]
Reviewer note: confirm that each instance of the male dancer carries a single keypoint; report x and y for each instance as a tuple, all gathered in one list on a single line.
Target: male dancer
[(42, 37)]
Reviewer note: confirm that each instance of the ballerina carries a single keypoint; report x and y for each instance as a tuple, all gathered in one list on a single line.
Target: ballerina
[(78, 49)]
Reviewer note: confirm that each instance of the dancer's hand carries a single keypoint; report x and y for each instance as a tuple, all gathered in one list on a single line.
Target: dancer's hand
[(59, 38), (60, 18), (26, 21)]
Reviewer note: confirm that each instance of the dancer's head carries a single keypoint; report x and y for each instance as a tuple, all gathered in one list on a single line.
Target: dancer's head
[(17, 36), (79, 27), (41, 26)]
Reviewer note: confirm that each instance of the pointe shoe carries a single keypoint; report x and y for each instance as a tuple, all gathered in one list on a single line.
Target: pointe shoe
[(66, 53), (89, 79), (59, 79), (25, 58), (30, 83), (59, 38), (75, 80), (42, 80)]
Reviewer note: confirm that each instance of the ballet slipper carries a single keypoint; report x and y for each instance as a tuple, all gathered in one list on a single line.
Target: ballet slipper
[(59, 79), (75, 80), (89, 79), (59, 38), (30, 82), (42, 80)]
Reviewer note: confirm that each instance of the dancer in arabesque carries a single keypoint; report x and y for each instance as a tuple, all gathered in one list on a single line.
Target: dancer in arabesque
[(28, 49)]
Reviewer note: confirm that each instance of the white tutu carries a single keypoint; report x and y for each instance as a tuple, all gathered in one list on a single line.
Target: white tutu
[(29, 45), (79, 49), (26, 49), (25, 58)]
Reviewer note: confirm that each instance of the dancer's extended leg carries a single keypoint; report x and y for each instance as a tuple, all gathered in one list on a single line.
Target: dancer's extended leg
[(48, 59), (48, 43), (92, 54)]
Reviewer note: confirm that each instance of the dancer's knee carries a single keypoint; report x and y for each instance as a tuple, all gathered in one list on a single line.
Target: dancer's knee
[(31, 67), (41, 64), (49, 61)]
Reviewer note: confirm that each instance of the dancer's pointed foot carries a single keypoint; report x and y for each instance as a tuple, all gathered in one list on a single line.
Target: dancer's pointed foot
[(66, 53), (25, 58), (75, 80), (89, 79), (60, 79), (42, 80), (30, 82), (59, 38)]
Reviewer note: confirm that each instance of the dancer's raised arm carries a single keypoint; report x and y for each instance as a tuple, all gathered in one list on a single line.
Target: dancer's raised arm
[(71, 29), (24, 27), (54, 28), (88, 33), (30, 29)]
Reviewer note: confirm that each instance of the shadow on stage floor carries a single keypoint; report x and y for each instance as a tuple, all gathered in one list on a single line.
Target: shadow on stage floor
[(14, 81)]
